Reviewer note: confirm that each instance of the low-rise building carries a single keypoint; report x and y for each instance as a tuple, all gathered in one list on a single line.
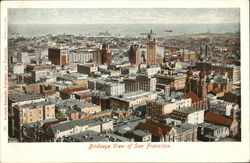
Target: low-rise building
[(88, 108), (69, 93), (87, 68), (140, 82), (86, 136), (141, 136), (160, 132), (223, 107), (177, 81), (185, 132), (151, 69), (73, 127), (110, 88), (189, 115), (232, 124), (28, 113), (18, 68), (212, 132), (160, 107), (129, 100)]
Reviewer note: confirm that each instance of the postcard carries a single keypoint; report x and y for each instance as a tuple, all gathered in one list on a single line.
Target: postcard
[(124, 81)]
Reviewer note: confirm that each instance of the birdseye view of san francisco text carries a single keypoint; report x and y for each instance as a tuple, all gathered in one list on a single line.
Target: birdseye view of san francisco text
[(124, 75)]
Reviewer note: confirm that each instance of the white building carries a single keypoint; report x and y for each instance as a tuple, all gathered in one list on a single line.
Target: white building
[(153, 69), (189, 115), (36, 75), (23, 58), (223, 107), (163, 106), (77, 126), (111, 88), (18, 69), (80, 57)]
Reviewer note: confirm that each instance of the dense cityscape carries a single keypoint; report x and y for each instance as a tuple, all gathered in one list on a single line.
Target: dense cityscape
[(107, 88)]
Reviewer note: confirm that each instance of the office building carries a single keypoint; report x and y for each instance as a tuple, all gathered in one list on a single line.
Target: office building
[(151, 48), (134, 55)]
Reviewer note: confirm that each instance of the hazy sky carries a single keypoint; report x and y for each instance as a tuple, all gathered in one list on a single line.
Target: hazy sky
[(123, 15)]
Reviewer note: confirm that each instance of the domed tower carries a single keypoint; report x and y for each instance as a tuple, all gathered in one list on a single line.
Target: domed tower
[(188, 85), (106, 54), (202, 86), (151, 48)]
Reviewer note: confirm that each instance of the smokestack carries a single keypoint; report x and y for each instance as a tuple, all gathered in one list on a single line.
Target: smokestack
[(206, 51)]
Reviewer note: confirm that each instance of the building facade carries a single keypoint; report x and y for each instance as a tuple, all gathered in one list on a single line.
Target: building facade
[(160, 107), (151, 48), (106, 54), (134, 55), (87, 68)]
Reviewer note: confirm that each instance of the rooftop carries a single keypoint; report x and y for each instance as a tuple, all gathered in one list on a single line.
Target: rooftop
[(184, 127), (71, 124), (218, 119), (188, 110), (118, 138), (34, 105), (210, 125), (133, 95), (89, 136), (140, 133), (18, 97)]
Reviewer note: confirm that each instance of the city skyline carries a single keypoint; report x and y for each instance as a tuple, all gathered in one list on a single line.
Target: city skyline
[(124, 16)]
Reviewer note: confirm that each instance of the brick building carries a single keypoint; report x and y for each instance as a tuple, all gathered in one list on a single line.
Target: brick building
[(177, 81), (87, 68), (134, 55), (106, 54), (29, 113), (151, 48), (161, 107), (57, 57)]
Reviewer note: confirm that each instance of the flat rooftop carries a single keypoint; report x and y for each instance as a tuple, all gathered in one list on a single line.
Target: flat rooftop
[(133, 95), (188, 110), (18, 97)]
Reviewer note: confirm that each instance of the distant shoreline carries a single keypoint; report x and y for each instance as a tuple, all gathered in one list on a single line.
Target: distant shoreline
[(128, 30)]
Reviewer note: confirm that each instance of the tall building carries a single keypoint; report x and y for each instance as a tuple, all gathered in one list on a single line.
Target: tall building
[(134, 55), (97, 56), (151, 48), (196, 89), (57, 57), (146, 83), (106, 54), (188, 85), (203, 88), (140, 82)]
